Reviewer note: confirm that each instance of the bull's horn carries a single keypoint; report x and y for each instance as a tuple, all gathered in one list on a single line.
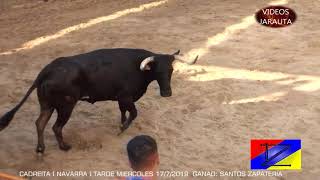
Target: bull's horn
[(183, 59), (144, 64), (176, 53)]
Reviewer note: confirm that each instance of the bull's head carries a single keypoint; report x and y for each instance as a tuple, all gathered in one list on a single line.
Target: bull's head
[(161, 67)]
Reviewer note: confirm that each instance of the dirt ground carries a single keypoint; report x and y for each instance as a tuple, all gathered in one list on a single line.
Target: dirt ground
[(250, 82)]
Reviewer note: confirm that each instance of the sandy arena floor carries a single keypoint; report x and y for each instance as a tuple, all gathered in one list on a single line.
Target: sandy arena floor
[(250, 82)]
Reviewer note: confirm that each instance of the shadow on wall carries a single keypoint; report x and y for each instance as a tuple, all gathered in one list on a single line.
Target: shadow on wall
[(40, 40)]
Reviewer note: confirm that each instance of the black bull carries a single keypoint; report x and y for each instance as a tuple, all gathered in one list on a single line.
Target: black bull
[(121, 75)]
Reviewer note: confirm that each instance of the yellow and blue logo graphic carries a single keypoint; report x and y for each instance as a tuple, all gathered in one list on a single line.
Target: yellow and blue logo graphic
[(276, 154)]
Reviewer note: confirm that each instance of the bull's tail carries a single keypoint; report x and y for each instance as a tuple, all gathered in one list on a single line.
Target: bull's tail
[(6, 119)]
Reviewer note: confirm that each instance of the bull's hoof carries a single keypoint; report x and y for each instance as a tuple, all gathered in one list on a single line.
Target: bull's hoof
[(65, 146), (40, 149), (123, 127)]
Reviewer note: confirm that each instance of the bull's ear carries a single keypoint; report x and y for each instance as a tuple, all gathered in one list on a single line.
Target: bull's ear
[(145, 64), (176, 53)]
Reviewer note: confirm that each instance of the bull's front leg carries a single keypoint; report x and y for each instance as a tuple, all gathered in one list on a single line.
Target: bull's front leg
[(127, 105), (123, 110)]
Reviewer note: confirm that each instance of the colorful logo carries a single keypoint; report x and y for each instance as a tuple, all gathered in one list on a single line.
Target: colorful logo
[(276, 154)]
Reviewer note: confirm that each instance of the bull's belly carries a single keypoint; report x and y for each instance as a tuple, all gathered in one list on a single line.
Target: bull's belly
[(113, 94), (95, 95)]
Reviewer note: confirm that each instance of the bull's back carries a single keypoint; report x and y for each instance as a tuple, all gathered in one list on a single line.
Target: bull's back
[(112, 72), (120, 57), (102, 74)]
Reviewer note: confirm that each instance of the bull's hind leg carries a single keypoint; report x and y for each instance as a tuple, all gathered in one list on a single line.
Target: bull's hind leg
[(41, 123), (64, 113)]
